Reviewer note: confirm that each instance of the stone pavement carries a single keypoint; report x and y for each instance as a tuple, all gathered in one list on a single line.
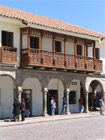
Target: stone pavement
[(8, 122), (83, 127)]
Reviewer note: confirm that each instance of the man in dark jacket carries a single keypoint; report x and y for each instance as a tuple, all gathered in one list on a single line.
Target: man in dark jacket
[(16, 109), (64, 106), (27, 107)]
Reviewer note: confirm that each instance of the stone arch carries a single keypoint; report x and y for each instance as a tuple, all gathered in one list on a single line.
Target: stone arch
[(96, 92), (94, 83), (7, 94), (20, 79), (89, 80), (33, 85), (56, 89)]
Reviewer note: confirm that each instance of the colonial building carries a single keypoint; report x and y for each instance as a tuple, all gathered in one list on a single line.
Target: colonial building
[(41, 57)]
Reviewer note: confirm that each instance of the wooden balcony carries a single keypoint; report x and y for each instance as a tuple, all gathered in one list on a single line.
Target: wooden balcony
[(8, 55), (36, 57)]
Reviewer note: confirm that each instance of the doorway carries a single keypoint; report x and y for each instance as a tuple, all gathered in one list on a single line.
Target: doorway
[(27, 93), (52, 93)]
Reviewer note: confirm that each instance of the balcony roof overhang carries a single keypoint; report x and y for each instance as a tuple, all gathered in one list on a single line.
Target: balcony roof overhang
[(21, 25)]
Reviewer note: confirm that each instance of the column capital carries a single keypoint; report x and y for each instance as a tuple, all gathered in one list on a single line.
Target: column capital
[(45, 90), (67, 91), (19, 89)]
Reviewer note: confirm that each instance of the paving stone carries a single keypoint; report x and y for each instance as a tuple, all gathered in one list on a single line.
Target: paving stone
[(73, 129)]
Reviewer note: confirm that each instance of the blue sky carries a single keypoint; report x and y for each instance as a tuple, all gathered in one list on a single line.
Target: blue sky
[(89, 14)]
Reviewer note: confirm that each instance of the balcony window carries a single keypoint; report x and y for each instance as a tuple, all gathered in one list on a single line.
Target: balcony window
[(79, 50), (34, 42), (7, 39), (97, 53), (57, 46)]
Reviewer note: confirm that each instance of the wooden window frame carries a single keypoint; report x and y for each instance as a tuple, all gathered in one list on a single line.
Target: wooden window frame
[(12, 34), (77, 49), (36, 45), (98, 53), (60, 46)]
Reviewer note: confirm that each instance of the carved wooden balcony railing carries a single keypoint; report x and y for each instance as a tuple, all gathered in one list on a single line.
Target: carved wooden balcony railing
[(98, 65), (8, 55), (37, 57)]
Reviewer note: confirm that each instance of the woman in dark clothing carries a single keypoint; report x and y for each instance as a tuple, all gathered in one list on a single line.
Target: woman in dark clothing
[(23, 108), (16, 109)]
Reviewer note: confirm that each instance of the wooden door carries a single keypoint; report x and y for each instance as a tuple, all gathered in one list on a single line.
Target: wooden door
[(52, 93)]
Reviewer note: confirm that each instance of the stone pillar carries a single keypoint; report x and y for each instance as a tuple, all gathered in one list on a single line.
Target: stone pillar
[(87, 108), (104, 97), (45, 102), (19, 98), (95, 93), (67, 97), (19, 93)]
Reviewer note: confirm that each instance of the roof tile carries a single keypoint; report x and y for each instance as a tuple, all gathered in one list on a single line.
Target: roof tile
[(44, 21)]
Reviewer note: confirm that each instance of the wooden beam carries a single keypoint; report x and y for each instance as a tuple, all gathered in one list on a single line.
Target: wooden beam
[(54, 47), (42, 45), (85, 52), (94, 53), (20, 46), (65, 49), (28, 30), (75, 50)]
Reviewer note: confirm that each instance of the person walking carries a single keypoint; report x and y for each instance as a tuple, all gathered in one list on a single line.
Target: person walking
[(64, 106), (27, 102), (23, 107), (81, 107), (53, 106), (101, 103), (16, 109)]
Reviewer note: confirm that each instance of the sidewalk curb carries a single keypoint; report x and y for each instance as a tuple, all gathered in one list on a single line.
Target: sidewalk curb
[(49, 120)]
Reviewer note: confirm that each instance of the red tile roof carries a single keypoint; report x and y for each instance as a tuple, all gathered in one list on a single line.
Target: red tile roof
[(47, 22)]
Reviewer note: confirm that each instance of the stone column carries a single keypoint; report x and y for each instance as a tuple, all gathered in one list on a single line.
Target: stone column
[(19, 93), (104, 97), (67, 97), (87, 108), (19, 98), (45, 102), (95, 93)]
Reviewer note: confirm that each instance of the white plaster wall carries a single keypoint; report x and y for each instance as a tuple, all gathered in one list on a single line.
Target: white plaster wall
[(70, 48), (7, 91), (90, 51), (82, 50), (101, 47), (37, 95), (56, 84), (16, 35), (90, 89), (75, 107), (47, 44), (62, 46), (24, 42)]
